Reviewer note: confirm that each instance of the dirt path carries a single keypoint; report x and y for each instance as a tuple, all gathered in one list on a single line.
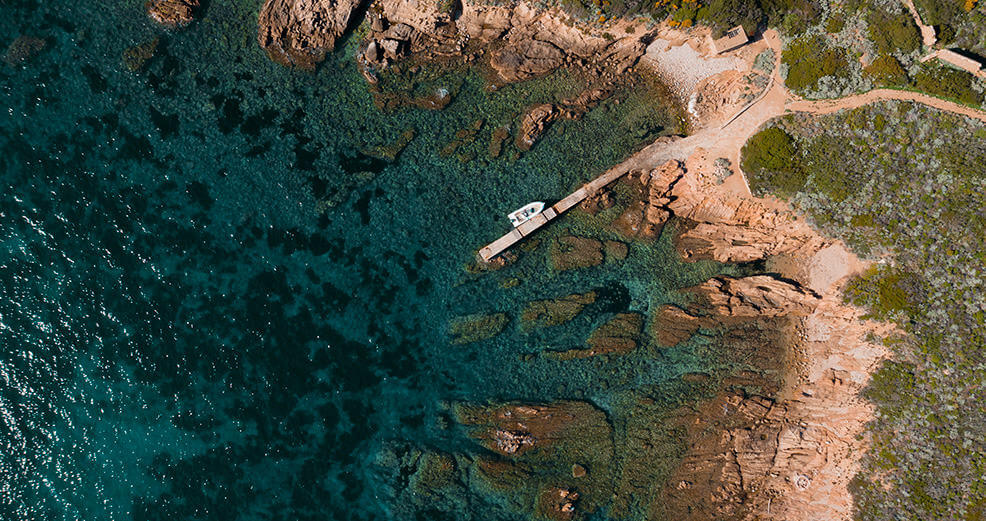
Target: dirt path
[(874, 96), (727, 141)]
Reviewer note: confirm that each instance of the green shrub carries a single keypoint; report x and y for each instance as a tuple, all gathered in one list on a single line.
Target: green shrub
[(893, 32), (885, 291), (886, 71), (948, 83), (770, 159), (810, 59), (723, 15), (835, 23)]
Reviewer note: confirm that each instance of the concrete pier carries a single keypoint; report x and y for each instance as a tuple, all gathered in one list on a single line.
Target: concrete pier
[(530, 226)]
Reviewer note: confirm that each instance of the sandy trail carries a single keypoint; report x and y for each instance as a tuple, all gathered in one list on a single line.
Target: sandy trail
[(727, 141)]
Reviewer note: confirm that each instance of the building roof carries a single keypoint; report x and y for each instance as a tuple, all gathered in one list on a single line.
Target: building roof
[(734, 38)]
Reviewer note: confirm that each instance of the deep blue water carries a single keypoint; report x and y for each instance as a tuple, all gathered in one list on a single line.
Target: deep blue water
[(214, 306)]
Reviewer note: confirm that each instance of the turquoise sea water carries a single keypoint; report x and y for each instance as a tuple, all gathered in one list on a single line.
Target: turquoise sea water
[(213, 305)]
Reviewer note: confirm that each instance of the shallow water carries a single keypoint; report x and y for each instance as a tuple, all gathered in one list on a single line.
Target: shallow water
[(214, 305)]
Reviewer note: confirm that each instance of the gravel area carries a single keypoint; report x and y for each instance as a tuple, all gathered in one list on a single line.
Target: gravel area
[(683, 67)]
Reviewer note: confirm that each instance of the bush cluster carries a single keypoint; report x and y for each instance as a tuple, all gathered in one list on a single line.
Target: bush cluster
[(905, 184), (810, 59), (893, 33)]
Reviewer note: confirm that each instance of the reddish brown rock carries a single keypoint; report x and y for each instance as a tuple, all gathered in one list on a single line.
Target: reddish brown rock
[(534, 123), (557, 504), (731, 228), (574, 108), (674, 325), (597, 202), (298, 33), (525, 59), (645, 218), (173, 14), (756, 296), (617, 335)]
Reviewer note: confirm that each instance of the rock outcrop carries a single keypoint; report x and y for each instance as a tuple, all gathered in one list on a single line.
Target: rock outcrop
[(173, 14), (534, 124), (298, 33), (729, 227), (523, 41), (756, 296), (645, 218), (673, 325)]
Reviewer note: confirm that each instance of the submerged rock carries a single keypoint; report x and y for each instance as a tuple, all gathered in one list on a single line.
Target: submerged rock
[(570, 252), (618, 335), (474, 328), (298, 33), (390, 151), (23, 49), (173, 14), (500, 135), (535, 446), (135, 57), (547, 313), (615, 250), (534, 124)]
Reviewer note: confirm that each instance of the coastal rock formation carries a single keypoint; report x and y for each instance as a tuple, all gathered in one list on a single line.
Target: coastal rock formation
[(645, 217), (728, 300), (547, 313), (723, 225), (525, 59), (756, 296), (298, 33), (537, 445), (617, 335), (534, 123), (673, 325), (730, 227), (788, 457), (523, 41), (173, 14), (513, 429)]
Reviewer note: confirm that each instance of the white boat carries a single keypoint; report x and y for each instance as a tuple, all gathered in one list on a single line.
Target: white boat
[(524, 213)]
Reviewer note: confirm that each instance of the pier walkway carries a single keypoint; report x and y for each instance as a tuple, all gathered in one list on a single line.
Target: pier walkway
[(530, 226)]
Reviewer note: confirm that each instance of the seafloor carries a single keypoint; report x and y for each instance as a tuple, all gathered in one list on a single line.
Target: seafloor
[(220, 299)]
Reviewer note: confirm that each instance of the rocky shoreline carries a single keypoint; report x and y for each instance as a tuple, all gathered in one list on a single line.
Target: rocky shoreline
[(789, 452)]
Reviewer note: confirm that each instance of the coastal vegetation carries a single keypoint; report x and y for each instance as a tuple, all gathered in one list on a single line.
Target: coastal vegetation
[(957, 23), (910, 196)]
